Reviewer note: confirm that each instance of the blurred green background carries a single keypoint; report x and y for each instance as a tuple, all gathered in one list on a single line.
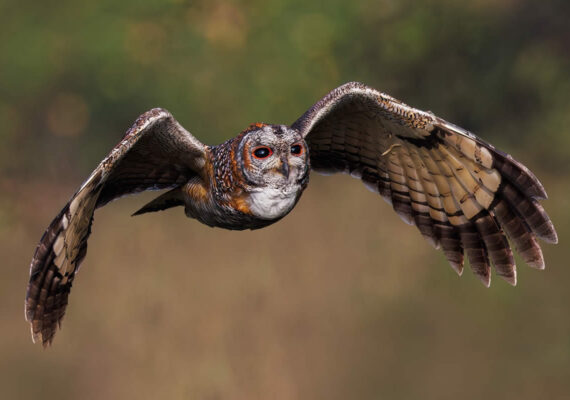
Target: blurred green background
[(340, 300)]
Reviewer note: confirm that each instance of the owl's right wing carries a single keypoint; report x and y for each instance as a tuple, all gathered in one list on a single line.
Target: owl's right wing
[(155, 153), (461, 192)]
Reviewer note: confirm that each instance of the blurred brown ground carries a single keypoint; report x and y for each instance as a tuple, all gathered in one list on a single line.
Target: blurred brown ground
[(328, 303), (340, 300)]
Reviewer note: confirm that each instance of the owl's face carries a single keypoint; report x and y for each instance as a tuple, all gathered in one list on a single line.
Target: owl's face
[(275, 166), (274, 156)]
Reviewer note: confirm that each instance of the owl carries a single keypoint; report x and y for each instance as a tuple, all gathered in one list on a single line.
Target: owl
[(464, 196)]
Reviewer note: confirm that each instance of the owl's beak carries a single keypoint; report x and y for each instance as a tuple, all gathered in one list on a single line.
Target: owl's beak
[(284, 168)]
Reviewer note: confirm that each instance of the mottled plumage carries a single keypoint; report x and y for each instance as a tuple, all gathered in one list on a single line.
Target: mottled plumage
[(465, 196)]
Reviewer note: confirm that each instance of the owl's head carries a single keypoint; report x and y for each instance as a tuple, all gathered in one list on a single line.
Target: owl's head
[(274, 156)]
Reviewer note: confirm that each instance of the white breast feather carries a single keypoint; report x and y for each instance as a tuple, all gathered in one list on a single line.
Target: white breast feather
[(271, 203)]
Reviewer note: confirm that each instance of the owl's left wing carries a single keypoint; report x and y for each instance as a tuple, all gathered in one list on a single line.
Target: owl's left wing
[(461, 192)]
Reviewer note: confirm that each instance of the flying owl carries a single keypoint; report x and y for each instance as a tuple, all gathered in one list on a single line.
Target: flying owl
[(464, 196)]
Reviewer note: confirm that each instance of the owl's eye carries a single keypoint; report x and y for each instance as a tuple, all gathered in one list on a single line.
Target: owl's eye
[(262, 152), (297, 149)]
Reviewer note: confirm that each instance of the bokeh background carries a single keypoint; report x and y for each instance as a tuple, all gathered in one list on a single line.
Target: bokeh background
[(340, 300)]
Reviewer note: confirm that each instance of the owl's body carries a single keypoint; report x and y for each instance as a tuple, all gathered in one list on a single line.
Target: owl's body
[(464, 195), (235, 191)]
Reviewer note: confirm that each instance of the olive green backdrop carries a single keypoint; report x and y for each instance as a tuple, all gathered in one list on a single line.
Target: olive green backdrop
[(340, 300)]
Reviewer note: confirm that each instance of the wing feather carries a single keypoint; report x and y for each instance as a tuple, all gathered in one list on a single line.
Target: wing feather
[(401, 201), (524, 241), (463, 194), (420, 207), (156, 152)]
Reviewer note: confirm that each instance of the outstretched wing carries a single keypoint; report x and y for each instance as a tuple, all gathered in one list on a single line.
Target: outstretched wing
[(156, 153), (461, 192)]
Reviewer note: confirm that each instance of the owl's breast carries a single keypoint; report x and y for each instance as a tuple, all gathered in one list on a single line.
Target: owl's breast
[(272, 203), (240, 209)]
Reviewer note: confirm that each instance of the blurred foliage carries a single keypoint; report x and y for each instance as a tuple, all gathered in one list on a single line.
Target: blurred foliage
[(159, 311), (75, 75)]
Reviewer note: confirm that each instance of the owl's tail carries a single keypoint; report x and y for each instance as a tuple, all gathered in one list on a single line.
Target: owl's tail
[(172, 198)]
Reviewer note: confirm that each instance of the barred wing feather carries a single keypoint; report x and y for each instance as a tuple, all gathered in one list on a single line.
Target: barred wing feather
[(464, 196), (156, 153)]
